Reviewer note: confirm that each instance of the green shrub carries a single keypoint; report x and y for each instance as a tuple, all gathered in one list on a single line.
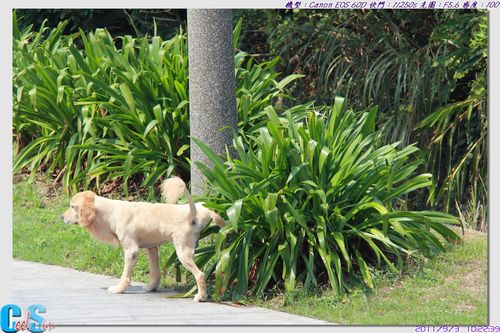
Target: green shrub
[(101, 112), (108, 112), (315, 200), (426, 72)]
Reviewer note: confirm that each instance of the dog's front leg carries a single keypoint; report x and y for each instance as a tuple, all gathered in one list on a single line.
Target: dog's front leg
[(131, 255), (154, 269)]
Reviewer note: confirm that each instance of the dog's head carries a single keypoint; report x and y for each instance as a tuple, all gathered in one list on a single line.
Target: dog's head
[(81, 210)]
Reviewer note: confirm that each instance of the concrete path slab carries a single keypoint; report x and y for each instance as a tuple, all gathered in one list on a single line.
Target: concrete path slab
[(73, 297)]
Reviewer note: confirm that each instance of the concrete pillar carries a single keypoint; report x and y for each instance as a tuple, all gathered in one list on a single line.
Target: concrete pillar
[(212, 95)]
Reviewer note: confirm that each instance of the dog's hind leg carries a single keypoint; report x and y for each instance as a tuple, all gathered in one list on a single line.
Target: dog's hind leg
[(186, 255), (154, 269), (131, 255)]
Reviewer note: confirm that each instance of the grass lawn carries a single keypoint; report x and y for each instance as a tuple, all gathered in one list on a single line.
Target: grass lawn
[(449, 289)]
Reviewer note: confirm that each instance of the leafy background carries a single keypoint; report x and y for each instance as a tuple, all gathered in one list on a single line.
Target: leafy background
[(426, 72)]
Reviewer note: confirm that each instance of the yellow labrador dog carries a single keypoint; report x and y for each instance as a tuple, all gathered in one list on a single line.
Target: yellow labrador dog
[(144, 225)]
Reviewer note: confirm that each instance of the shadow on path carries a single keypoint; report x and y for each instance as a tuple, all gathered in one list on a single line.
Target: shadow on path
[(73, 297)]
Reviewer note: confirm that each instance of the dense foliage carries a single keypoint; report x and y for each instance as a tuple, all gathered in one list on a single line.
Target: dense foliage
[(105, 113), (101, 112), (425, 71), (135, 22), (311, 196)]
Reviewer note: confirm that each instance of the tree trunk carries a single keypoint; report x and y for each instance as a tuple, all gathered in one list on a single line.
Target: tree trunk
[(212, 96)]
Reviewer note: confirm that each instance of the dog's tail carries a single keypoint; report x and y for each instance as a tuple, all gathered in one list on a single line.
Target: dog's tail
[(173, 188)]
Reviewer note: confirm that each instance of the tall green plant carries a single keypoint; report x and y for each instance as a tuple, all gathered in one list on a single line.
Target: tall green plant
[(43, 114), (458, 144), (103, 112), (426, 73), (316, 200)]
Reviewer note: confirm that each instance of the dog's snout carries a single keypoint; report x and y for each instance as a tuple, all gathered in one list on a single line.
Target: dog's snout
[(62, 216)]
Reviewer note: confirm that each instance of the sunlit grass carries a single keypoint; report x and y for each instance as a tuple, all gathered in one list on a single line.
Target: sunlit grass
[(450, 289)]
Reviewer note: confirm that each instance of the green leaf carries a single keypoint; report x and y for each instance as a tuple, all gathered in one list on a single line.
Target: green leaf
[(339, 239), (367, 278), (222, 272), (127, 94), (236, 33), (182, 150), (290, 78), (152, 124), (233, 213)]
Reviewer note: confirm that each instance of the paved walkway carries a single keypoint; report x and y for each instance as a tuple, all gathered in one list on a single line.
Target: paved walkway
[(79, 298)]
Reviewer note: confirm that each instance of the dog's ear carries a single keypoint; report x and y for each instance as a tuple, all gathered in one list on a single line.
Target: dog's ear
[(87, 209)]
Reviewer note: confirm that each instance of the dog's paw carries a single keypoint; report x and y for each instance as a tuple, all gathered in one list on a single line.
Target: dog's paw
[(200, 298), (116, 289), (150, 287)]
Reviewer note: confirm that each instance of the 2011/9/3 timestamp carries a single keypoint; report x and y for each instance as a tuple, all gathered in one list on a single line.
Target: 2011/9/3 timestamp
[(452, 329)]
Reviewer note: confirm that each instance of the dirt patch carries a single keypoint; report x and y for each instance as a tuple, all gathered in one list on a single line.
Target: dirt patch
[(471, 279), (469, 233), (465, 307)]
